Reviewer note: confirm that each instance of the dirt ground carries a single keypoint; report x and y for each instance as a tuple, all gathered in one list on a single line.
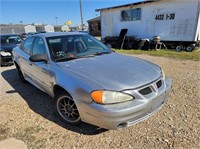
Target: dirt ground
[(28, 114)]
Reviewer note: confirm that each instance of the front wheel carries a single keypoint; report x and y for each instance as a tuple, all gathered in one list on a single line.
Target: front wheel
[(67, 109)]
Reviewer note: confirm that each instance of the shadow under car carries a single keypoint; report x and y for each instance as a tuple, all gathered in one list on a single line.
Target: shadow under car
[(43, 104)]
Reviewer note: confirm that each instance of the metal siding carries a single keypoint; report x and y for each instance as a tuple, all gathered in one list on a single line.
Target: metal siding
[(107, 24), (12, 29), (182, 28)]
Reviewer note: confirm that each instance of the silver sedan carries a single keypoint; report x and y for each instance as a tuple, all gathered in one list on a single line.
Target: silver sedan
[(90, 82)]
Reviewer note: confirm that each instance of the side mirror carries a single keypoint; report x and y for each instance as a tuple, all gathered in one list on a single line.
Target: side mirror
[(38, 58)]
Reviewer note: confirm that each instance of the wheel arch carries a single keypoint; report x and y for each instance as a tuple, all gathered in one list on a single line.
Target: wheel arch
[(17, 66), (57, 89)]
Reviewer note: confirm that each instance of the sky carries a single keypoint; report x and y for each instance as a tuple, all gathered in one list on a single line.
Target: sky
[(46, 11)]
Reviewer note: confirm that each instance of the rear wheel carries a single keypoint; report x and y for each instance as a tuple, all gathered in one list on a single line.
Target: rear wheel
[(67, 109)]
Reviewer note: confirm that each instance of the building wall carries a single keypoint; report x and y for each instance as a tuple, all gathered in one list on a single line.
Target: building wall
[(29, 28), (65, 28), (49, 28), (11, 29), (40, 28), (182, 28)]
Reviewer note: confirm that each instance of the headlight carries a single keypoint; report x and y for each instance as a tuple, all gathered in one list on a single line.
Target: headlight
[(5, 53), (109, 97)]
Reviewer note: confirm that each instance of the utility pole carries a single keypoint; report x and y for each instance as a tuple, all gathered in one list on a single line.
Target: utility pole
[(56, 20), (81, 15)]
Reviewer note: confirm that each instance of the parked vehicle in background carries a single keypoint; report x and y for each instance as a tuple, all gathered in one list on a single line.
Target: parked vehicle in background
[(90, 82), (87, 32), (8, 42), (31, 33)]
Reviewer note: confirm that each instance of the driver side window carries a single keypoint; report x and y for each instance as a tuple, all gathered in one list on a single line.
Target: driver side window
[(39, 46), (28, 45)]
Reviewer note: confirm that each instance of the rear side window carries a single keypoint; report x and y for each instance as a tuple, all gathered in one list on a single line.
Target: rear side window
[(28, 45), (39, 47)]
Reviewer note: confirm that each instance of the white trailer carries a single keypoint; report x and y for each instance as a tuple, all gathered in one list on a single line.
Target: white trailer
[(177, 22)]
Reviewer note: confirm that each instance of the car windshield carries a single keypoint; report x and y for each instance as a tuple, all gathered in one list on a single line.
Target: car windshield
[(10, 39), (70, 47)]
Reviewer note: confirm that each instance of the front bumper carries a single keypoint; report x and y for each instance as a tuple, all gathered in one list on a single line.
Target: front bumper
[(6, 60), (121, 115)]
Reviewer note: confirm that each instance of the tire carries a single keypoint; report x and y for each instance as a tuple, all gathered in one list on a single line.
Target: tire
[(190, 48), (179, 48), (21, 76), (67, 109)]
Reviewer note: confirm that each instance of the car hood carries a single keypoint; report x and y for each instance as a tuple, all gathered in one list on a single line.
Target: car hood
[(8, 47), (114, 71)]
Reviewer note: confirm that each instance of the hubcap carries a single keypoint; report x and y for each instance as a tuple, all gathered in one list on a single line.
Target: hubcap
[(189, 49), (67, 109), (178, 48)]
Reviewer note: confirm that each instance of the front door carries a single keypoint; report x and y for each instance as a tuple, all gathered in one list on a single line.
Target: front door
[(41, 70)]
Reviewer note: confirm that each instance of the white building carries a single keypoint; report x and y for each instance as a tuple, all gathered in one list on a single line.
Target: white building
[(49, 28), (29, 28), (65, 28), (172, 20)]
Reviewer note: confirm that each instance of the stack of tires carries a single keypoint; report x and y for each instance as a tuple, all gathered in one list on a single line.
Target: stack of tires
[(156, 39), (143, 44)]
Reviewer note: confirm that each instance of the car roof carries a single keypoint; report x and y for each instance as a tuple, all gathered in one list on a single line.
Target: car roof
[(52, 34)]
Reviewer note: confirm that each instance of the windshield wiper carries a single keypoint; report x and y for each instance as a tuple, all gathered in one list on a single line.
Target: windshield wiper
[(65, 59), (101, 53), (93, 54)]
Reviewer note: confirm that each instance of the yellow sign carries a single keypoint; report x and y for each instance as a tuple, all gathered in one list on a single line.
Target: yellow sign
[(68, 22)]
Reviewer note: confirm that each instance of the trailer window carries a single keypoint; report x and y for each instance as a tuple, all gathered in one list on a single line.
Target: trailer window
[(126, 15), (136, 14), (131, 14)]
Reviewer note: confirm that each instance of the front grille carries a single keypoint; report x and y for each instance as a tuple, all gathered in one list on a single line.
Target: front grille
[(6, 59), (151, 88), (145, 91), (159, 84)]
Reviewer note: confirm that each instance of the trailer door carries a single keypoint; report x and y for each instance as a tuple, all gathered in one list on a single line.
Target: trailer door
[(107, 24)]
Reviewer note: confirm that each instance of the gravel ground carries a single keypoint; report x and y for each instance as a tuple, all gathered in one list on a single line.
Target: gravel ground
[(27, 114)]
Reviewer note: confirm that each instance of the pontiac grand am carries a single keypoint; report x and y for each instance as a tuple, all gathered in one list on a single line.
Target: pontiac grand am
[(89, 81)]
